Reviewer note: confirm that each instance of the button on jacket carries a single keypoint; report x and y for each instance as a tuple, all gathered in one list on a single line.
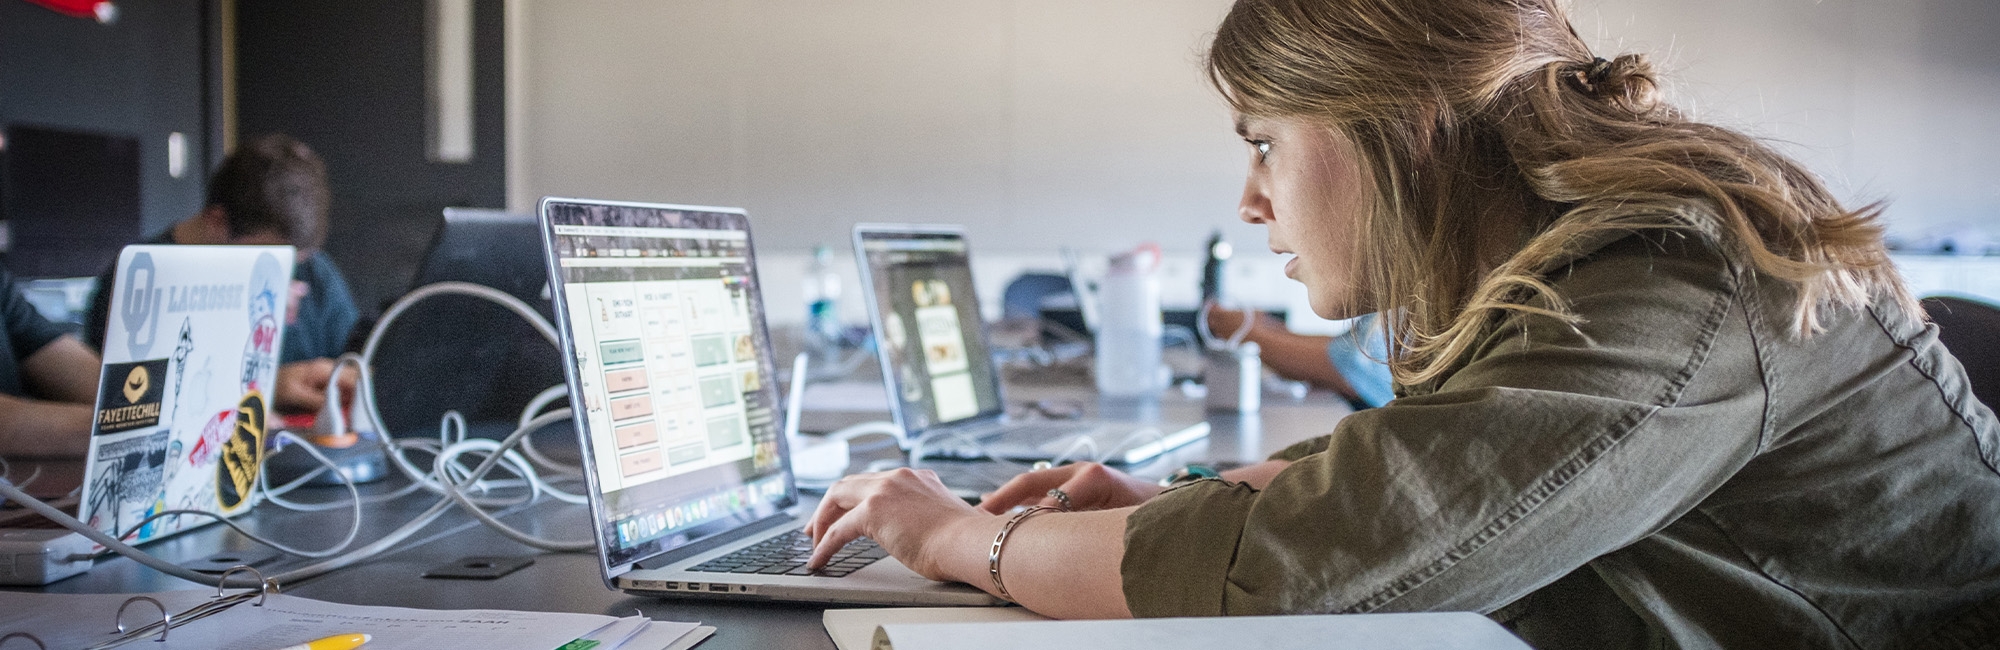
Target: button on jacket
[(1676, 469)]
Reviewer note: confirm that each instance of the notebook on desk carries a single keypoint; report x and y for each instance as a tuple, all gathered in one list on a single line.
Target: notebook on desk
[(672, 377), (944, 388), (190, 364)]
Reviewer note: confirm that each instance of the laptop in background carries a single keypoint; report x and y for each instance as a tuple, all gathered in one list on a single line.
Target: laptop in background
[(464, 353), (495, 248), (944, 387), (670, 365), (183, 400), (190, 366)]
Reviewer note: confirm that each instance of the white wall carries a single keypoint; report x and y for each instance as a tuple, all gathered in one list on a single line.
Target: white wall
[(1886, 99), (1034, 122), (1040, 123)]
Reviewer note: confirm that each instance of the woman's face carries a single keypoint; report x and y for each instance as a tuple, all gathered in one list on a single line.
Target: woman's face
[(1306, 186)]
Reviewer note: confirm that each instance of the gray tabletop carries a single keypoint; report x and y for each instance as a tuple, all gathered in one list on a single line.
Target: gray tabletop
[(571, 582)]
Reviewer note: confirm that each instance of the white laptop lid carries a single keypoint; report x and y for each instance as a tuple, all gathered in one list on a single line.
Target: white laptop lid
[(932, 343), (670, 371), (190, 362)]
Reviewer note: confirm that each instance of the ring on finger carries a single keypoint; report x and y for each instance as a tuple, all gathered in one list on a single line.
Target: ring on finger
[(1062, 498)]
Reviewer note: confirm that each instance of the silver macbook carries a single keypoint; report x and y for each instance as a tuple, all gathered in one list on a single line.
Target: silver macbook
[(944, 389), (190, 364), (671, 373)]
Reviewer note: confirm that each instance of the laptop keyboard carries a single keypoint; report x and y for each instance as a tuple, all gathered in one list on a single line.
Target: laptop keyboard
[(1045, 431), (787, 555)]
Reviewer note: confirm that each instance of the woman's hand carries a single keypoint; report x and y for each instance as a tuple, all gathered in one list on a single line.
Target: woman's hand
[(1223, 323), (911, 514), (302, 386), (1090, 486)]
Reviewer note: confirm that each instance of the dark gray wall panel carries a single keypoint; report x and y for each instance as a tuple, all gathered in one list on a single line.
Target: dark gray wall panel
[(143, 76), (348, 79)]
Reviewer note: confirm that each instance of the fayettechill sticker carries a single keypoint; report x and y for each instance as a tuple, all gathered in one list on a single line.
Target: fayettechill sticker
[(130, 397)]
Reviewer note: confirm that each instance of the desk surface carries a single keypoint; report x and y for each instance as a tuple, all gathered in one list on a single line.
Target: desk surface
[(570, 582)]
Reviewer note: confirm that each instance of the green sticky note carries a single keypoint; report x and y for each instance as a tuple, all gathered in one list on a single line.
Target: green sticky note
[(579, 644)]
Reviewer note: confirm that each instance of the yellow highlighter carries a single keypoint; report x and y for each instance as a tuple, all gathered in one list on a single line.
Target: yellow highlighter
[(336, 642)]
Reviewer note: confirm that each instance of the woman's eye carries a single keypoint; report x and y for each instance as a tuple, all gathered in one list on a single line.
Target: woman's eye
[(1263, 148)]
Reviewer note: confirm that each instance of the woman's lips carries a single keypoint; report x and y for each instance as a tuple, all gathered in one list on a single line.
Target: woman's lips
[(1292, 268)]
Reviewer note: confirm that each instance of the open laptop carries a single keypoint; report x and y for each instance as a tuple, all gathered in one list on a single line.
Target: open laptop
[(495, 248), (671, 370), (464, 353), (943, 386), (190, 366)]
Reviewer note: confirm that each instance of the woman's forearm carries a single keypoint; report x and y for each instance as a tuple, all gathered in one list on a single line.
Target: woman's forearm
[(1301, 357), (32, 427), (1061, 565)]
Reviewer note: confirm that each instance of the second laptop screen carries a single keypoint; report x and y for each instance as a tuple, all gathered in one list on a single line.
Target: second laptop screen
[(930, 329)]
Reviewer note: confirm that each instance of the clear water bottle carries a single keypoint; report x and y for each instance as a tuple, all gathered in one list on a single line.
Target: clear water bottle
[(1129, 327), (821, 337)]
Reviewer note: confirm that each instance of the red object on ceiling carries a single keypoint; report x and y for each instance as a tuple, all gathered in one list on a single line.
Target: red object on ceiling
[(98, 10)]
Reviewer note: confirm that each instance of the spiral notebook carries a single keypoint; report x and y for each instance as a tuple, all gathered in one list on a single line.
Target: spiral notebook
[(1013, 628), (248, 620)]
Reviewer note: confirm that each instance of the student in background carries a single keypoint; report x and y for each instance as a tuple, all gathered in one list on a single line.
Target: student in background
[(1354, 365), (272, 191), (1660, 388), (48, 382)]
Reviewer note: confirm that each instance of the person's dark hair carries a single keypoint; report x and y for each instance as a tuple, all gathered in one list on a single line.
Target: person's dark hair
[(273, 184)]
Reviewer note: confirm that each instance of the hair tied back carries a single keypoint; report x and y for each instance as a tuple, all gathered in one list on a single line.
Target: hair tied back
[(1591, 78)]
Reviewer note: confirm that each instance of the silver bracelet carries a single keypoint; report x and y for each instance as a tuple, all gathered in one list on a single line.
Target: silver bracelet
[(993, 556)]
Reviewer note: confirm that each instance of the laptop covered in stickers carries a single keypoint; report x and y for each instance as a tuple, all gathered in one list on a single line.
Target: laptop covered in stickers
[(183, 402), (190, 367)]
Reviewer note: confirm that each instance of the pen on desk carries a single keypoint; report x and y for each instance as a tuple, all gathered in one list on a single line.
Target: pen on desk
[(335, 642)]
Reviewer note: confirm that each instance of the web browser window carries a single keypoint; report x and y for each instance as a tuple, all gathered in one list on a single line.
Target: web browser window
[(931, 330), (668, 342)]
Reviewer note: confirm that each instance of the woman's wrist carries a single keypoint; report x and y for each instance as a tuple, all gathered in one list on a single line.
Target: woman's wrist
[(963, 550)]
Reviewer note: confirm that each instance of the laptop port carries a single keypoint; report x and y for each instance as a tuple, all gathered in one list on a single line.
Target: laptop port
[(672, 585), (716, 587), (694, 586)]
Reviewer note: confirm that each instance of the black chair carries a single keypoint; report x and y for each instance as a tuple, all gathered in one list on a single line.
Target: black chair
[(1971, 330), (1030, 292)]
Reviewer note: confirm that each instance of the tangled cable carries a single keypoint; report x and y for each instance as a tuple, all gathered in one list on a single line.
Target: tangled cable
[(457, 467)]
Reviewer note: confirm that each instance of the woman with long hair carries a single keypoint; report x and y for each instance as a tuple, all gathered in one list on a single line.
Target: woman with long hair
[(1656, 387)]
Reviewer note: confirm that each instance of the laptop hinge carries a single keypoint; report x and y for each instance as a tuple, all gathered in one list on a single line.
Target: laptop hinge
[(784, 519)]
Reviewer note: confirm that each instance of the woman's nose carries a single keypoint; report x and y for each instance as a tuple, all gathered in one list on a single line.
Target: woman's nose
[(1255, 208)]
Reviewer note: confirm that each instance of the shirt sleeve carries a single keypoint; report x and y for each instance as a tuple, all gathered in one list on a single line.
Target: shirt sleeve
[(1554, 445), (1361, 356), (325, 315), (98, 321), (27, 329)]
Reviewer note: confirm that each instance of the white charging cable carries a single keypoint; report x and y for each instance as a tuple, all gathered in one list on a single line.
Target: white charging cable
[(448, 475), (347, 559)]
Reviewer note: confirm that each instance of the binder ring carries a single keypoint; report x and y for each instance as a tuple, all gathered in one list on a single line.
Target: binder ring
[(166, 620), (266, 587), (23, 635)]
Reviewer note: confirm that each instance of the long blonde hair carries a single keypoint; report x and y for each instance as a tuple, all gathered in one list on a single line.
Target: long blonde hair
[(1478, 118)]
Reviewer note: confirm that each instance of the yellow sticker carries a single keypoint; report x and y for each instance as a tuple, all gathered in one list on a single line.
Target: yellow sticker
[(136, 383), (242, 455)]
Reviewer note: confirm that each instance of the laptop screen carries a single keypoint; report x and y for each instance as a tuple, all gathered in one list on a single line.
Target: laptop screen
[(933, 342), (668, 355)]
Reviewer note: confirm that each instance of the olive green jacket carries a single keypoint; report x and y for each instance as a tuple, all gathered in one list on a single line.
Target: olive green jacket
[(1678, 469)]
